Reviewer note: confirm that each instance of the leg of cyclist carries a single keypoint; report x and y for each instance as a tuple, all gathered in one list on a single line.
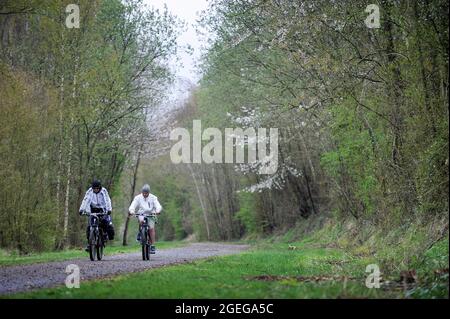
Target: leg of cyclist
[(88, 228), (141, 221), (87, 238), (152, 236), (104, 225)]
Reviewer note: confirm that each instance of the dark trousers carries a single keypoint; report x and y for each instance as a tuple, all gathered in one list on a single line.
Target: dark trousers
[(106, 225)]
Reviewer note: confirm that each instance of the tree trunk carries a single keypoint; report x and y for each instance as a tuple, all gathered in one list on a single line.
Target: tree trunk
[(426, 88), (66, 200), (65, 240), (394, 90), (59, 173), (205, 216), (132, 191)]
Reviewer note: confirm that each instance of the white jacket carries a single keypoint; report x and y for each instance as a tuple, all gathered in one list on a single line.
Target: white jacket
[(89, 198), (143, 204)]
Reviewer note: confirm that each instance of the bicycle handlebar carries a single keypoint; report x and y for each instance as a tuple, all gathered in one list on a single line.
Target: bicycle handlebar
[(95, 214), (144, 214)]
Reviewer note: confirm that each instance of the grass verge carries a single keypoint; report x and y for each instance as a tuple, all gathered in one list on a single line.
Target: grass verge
[(269, 270)]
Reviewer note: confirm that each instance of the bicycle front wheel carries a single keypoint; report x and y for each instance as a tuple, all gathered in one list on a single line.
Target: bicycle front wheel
[(144, 243), (100, 248), (92, 245)]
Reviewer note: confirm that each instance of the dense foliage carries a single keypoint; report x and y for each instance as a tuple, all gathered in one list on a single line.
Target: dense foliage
[(362, 114), (72, 108)]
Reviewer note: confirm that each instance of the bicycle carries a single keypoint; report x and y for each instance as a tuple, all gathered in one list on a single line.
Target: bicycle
[(145, 235), (97, 240)]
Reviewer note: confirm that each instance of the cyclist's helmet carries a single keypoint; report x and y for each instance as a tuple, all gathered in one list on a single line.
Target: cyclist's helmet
[(146, 188), (96, 184)]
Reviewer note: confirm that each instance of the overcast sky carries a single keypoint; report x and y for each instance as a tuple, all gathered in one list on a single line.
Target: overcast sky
[(186, 10)]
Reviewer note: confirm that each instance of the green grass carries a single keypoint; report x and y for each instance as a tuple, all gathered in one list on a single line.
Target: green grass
[(436, 258), (230, 277), (12, 258)]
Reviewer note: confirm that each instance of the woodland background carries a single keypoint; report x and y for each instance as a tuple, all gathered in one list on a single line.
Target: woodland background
[(362, 116)]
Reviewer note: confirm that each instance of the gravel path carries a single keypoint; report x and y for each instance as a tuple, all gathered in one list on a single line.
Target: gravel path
[(43, 275)]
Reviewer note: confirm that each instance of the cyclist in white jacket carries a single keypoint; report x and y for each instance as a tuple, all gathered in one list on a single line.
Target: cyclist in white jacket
[(97, 200), (146, 203)]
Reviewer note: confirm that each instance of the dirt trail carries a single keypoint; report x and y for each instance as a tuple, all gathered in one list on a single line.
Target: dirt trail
[(43, 275)]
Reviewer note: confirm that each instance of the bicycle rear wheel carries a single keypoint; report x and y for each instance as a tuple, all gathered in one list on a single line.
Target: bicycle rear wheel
[(147, 251)]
